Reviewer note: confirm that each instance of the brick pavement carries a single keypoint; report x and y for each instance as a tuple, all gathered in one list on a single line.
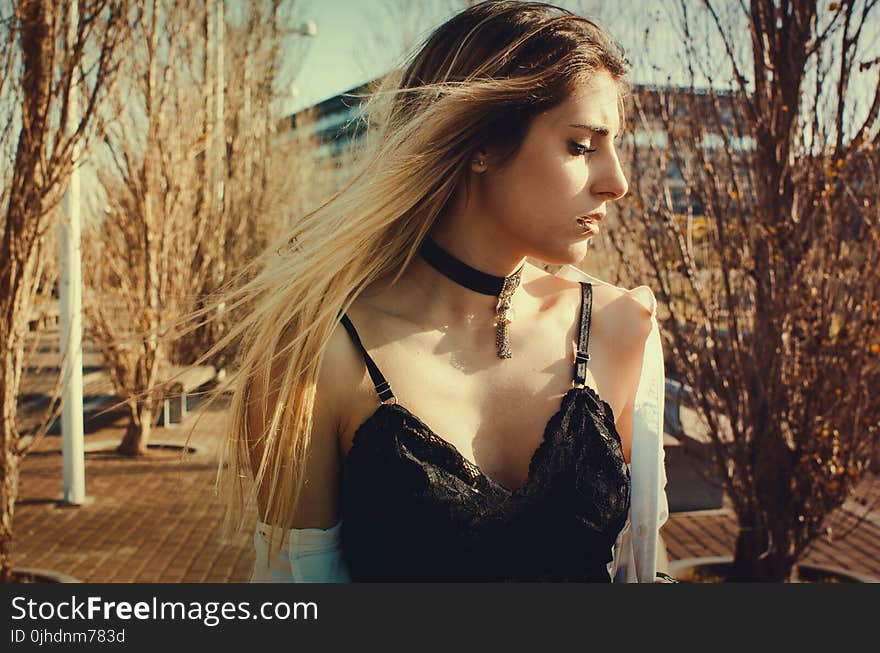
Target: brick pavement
[(148, 520), (158, 519), (851, 541)]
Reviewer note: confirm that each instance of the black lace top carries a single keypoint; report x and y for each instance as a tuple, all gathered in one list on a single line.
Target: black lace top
[(415, 509)]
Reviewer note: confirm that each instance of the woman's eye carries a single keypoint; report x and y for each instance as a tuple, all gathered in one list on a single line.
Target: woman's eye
[(580, 149)]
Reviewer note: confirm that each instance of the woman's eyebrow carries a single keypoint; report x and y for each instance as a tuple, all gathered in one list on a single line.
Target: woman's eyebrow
[(601, 130), (598, 129)]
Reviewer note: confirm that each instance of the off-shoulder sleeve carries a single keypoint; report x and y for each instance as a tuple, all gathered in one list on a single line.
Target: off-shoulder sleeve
[(649, 506), (306, 555)]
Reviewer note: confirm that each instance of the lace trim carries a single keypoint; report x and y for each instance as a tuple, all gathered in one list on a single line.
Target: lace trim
[(474, 472), (601, 472)]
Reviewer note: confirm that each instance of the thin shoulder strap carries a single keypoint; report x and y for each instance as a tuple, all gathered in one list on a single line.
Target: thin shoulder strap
[(582, 356), (383, 388)]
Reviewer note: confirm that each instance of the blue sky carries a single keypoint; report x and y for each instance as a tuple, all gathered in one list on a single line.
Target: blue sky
[(358, 40)]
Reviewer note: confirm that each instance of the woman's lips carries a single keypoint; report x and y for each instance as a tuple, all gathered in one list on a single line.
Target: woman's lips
[(589, 223)]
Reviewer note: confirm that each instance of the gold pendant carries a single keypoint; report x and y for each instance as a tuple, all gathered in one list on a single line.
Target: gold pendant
[(502, 314)]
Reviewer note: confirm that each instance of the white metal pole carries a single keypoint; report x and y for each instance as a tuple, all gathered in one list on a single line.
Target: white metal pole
[(70, 291)]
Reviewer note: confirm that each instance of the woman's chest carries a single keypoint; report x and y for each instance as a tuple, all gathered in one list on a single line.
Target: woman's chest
[(494, 413)]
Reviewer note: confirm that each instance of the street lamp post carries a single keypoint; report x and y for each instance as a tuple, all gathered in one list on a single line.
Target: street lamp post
[(70, 314)]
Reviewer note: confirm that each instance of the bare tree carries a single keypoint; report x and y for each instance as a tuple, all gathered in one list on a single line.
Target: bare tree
[(49, 54), (252, 172), (184, 203), (141, 250), (755, 207)]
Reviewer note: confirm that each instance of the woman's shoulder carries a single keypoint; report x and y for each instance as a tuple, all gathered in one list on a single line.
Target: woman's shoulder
[(627, 310), (343, 367)]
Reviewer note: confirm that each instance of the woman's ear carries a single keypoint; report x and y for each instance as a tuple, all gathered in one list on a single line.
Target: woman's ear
[(479, 162)]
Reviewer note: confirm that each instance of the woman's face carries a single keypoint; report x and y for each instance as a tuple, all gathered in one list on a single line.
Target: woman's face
[(566, 168)]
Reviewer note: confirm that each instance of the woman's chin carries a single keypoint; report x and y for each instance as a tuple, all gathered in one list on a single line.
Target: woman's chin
[(572, 254)]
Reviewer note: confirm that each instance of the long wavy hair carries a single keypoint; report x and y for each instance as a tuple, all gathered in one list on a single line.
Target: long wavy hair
[(476, 82)]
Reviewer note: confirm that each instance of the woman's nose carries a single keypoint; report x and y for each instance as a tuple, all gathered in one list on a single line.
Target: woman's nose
[(612, 184)]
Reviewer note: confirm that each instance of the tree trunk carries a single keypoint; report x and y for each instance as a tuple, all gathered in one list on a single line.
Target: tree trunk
[(757, 560), (19, 252), (9, 473), (139, 430), (137, 434)]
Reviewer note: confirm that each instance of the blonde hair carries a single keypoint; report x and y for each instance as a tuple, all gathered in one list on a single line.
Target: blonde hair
[(476, 82)]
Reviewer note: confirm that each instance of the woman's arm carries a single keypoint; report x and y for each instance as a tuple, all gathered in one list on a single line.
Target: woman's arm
[(629, 357), (319, 504), (310, 549), (640, 555)]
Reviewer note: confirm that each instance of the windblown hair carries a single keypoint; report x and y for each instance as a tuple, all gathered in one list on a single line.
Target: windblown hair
[(476, 82)]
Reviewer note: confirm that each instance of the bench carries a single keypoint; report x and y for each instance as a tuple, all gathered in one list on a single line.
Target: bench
[(174, 404), (677, 395), (43, 316), (692, 482)]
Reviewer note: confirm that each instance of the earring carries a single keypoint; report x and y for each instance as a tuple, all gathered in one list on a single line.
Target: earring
[(480, 163)]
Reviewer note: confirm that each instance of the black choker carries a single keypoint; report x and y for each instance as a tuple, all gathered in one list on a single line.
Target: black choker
[(481, 282)]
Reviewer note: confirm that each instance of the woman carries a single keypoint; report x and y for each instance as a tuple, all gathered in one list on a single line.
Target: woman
[(418, 400)]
